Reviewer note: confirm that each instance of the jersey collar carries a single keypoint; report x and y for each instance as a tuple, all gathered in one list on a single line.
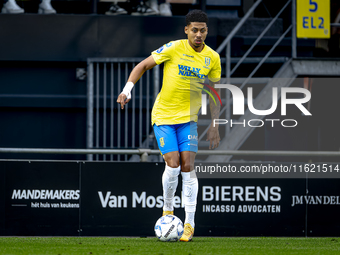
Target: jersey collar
[(192, 50)]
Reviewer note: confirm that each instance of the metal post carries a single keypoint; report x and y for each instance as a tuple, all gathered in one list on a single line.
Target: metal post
[(89, 133), (228, 67), (97, 109), (140, 112), (112, 112), (104, 110), (294, 50), (119, 110), (228, 111), (228, 62), (148, 109), (126, 109), (147, 152), (133, 113), (94, 4)]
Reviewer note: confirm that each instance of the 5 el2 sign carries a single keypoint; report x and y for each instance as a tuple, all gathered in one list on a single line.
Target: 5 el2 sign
[(313, 19)]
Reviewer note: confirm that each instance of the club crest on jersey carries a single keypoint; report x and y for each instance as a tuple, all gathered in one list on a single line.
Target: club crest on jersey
[(161, 141), (160, 49), (207, 61)]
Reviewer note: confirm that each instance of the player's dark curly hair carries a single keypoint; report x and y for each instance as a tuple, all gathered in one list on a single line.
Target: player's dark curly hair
[(196, 16)]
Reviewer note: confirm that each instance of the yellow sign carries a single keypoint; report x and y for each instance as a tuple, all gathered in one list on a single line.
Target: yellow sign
[(313, 19)]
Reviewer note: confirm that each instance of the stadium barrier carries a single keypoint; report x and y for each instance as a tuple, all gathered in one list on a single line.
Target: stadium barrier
[(145, 153), (83, 198)]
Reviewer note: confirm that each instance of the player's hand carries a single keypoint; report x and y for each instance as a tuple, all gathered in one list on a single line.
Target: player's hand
[(213, 135), (122, 100)]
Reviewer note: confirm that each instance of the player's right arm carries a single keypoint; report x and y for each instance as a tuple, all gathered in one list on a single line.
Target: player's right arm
[(135, 75), (213, 134)]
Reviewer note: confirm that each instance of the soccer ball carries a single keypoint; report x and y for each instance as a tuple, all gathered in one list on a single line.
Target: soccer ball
[(169, 228)]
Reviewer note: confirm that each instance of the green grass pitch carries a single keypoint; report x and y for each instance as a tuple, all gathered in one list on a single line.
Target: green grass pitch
[(150, 245)]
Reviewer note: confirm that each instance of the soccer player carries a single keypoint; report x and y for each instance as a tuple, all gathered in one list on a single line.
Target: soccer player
[(174, 114)]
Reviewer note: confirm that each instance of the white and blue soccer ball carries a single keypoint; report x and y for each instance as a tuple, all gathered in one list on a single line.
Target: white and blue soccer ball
[(169, 228)]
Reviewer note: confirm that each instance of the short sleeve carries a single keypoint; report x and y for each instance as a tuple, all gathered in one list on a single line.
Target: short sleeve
[(164, 53), (215, 73)]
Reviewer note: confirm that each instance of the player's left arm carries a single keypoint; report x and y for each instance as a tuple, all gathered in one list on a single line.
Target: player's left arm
[(213, 134)]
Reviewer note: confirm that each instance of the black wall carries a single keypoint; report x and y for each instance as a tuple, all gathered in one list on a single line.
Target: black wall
[(92, 193), (42, 104), (77, 37)]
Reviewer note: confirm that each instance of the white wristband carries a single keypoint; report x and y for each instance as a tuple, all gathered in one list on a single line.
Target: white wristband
[(127, 89)]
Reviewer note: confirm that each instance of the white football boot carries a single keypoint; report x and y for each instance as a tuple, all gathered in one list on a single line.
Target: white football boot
[(164, 9), (45, 7), (12, 7), (154, 6)]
